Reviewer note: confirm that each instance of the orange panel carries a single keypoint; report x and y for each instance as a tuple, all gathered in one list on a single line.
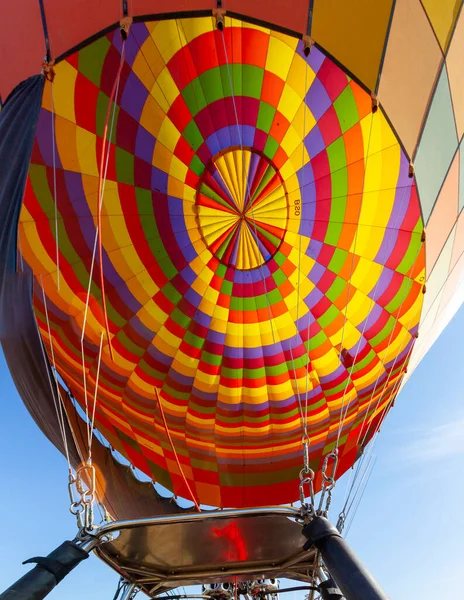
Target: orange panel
[(410, 70), (273, 11), (443, 217), (456, 80), (21, 21), (70, 23), (353, 33)]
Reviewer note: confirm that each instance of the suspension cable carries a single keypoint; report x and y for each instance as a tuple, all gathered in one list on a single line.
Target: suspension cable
[(55, 391), (396, 357), (303, 416), (112, 99), (360, 497), (388, 248), (55, 199), (168, 435), (341, 420), (247, 183), (95, 395)]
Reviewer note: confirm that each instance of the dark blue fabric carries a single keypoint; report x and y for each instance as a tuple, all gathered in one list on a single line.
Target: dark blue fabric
[(18, 121)]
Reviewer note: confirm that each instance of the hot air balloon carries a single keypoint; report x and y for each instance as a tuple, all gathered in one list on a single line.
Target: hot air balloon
[(228, 234)]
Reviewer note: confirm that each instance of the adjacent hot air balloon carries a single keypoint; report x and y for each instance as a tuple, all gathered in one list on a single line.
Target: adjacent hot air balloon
[(233, 223)]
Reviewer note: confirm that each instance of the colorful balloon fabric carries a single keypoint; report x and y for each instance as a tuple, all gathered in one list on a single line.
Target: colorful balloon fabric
[(262, 253)]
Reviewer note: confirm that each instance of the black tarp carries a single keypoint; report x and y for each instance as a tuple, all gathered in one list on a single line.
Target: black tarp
[(123, 494)]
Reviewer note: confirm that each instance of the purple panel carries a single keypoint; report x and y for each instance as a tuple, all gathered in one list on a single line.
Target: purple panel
[(144, 145), (317, 99), (43, 136), (134, 96)]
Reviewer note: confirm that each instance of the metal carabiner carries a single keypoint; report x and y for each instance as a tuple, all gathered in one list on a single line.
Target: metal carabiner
[(331, 478), (308, 480)]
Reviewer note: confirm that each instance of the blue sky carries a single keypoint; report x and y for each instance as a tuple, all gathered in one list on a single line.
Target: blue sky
[(408, 529)]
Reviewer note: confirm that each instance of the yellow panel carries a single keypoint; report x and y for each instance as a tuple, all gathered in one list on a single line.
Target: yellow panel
[(279, 57), (86, 144), (442, 15), (353, 33), (62, 99)]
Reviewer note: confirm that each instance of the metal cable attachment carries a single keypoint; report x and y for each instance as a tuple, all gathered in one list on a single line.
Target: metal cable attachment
[(341, 521), (82, 495), (328, 481), (76, 507), (306, 479)]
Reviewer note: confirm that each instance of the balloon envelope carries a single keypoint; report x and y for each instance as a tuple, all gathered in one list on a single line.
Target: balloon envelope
[(262, 238)]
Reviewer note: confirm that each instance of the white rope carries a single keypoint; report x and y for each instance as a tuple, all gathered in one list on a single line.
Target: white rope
[(95, 395), (396, 357), (247, 185), (89, 425), (55, 391), (366, 482), (303, 416), (55, 199), (396, 385), (341, 421), (374, 298)]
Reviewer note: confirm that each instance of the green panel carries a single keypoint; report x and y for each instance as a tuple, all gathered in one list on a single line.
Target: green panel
[(384, 333), (364, 362), (266, 116), (279, 277), (316, 341), (280, 258), (336, 289), (91, 59), (338, 260), (346, 109), (193, 136), (183, 320), (100, 116), (333, 232), (437, 146), (124, 166), (400, 295), (226, 287), (211, 359), (326, 319), (411, 254), (171, 293), (39, 183), (194, 96), (197, 166), (128, 344), (221, 273), (271, 147), (194, 340), (252, 81), (211, 84)]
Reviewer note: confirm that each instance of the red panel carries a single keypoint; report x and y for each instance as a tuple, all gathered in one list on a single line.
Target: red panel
[(22, 44), (70, 22), (157, 7)]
